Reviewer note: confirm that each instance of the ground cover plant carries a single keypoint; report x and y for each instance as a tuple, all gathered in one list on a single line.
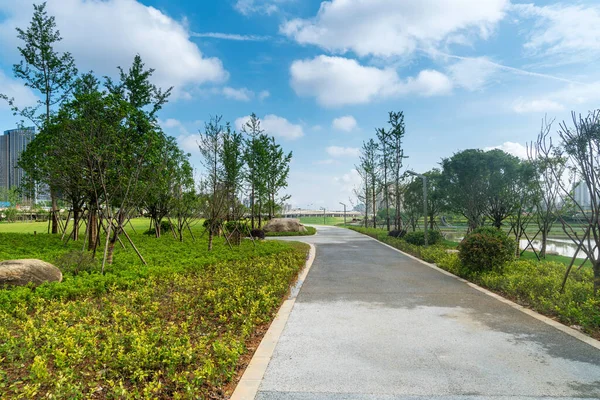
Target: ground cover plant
[(531, 283), (309, 231), (175, 328)]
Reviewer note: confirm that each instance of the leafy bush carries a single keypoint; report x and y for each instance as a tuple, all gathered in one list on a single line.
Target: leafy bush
[(418, 237), (257, 233), (75, 262), (175, 328), (486, 249), (397, 234)]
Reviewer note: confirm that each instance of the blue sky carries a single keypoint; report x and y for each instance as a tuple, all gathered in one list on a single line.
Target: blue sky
[(323, 75)]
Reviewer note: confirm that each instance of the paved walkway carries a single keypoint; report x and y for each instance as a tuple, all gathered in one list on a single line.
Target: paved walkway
[(371, 323)]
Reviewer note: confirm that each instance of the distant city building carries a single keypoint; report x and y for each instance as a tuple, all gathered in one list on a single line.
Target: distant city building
[(12, 144), (582, 195)]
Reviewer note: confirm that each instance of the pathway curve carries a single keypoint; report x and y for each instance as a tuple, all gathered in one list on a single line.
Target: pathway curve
[(371, 323)]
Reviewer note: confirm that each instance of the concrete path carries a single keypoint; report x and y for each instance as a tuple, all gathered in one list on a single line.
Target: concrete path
[(371, 323)]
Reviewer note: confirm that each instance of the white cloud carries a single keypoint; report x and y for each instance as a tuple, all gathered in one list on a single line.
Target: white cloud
[(536, 106), (102, 35), (23, 96), (516, 149), (567, 33), (230, 36), (391, 27), (248, 7), (241, 94), (189, 143), (275, 126), (472, 73), (337, 81), (337, 151), (349, 181), (346, 123), (263, 95)]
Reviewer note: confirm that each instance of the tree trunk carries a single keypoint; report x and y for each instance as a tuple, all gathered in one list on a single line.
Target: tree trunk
[(259, 215), (114, 238), (252, 206), (597, 277), (157, 228), (76, 223), (544, 242), (54, 211), (92, 229), (210, 240), (374, 205)]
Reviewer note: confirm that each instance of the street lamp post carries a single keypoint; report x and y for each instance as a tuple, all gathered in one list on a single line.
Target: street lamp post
[(323, 208), (344, 212), (424, 201)]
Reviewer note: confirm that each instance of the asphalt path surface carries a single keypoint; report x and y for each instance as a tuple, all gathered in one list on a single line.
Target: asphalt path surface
[(371, 323)]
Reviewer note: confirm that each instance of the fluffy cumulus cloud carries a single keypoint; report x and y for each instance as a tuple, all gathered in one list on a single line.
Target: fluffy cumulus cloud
[(338, 151), (567, 33), (338, 81), (102, 35), (391, 27), (516, 149), (22, 96), (241, 94), (346, 123), (275, 126)]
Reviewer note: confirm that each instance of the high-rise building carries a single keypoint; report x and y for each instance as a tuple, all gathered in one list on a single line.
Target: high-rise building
[(12, 144), (582, 195)]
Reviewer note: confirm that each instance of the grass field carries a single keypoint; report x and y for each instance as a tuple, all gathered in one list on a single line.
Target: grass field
[(324, 221), (176, 328)]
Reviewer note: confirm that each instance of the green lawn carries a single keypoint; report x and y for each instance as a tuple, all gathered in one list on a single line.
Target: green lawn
[(324, 221), (176, 328), (139, 224)]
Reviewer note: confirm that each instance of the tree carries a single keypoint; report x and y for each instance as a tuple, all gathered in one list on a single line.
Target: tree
[(464, 183), (211, 150), (385, 159), (233, 171), (173, 173), (580, 148), (546, 163), (254, 158), (369, 161), (395, 137), (50, 73), (277, 171), (505, 181), (413, 196)]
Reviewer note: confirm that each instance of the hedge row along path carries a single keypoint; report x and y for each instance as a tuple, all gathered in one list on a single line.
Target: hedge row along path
[(372, 323)]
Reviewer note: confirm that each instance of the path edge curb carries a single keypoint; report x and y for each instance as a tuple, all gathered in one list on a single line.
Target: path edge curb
[(247, 387), (548, 321)]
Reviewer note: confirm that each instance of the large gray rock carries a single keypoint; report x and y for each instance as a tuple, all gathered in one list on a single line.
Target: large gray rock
[(284, 225), (21, 272)]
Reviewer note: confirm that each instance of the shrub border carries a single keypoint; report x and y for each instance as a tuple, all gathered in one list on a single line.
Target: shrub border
[(247, 387), (548, 321)]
